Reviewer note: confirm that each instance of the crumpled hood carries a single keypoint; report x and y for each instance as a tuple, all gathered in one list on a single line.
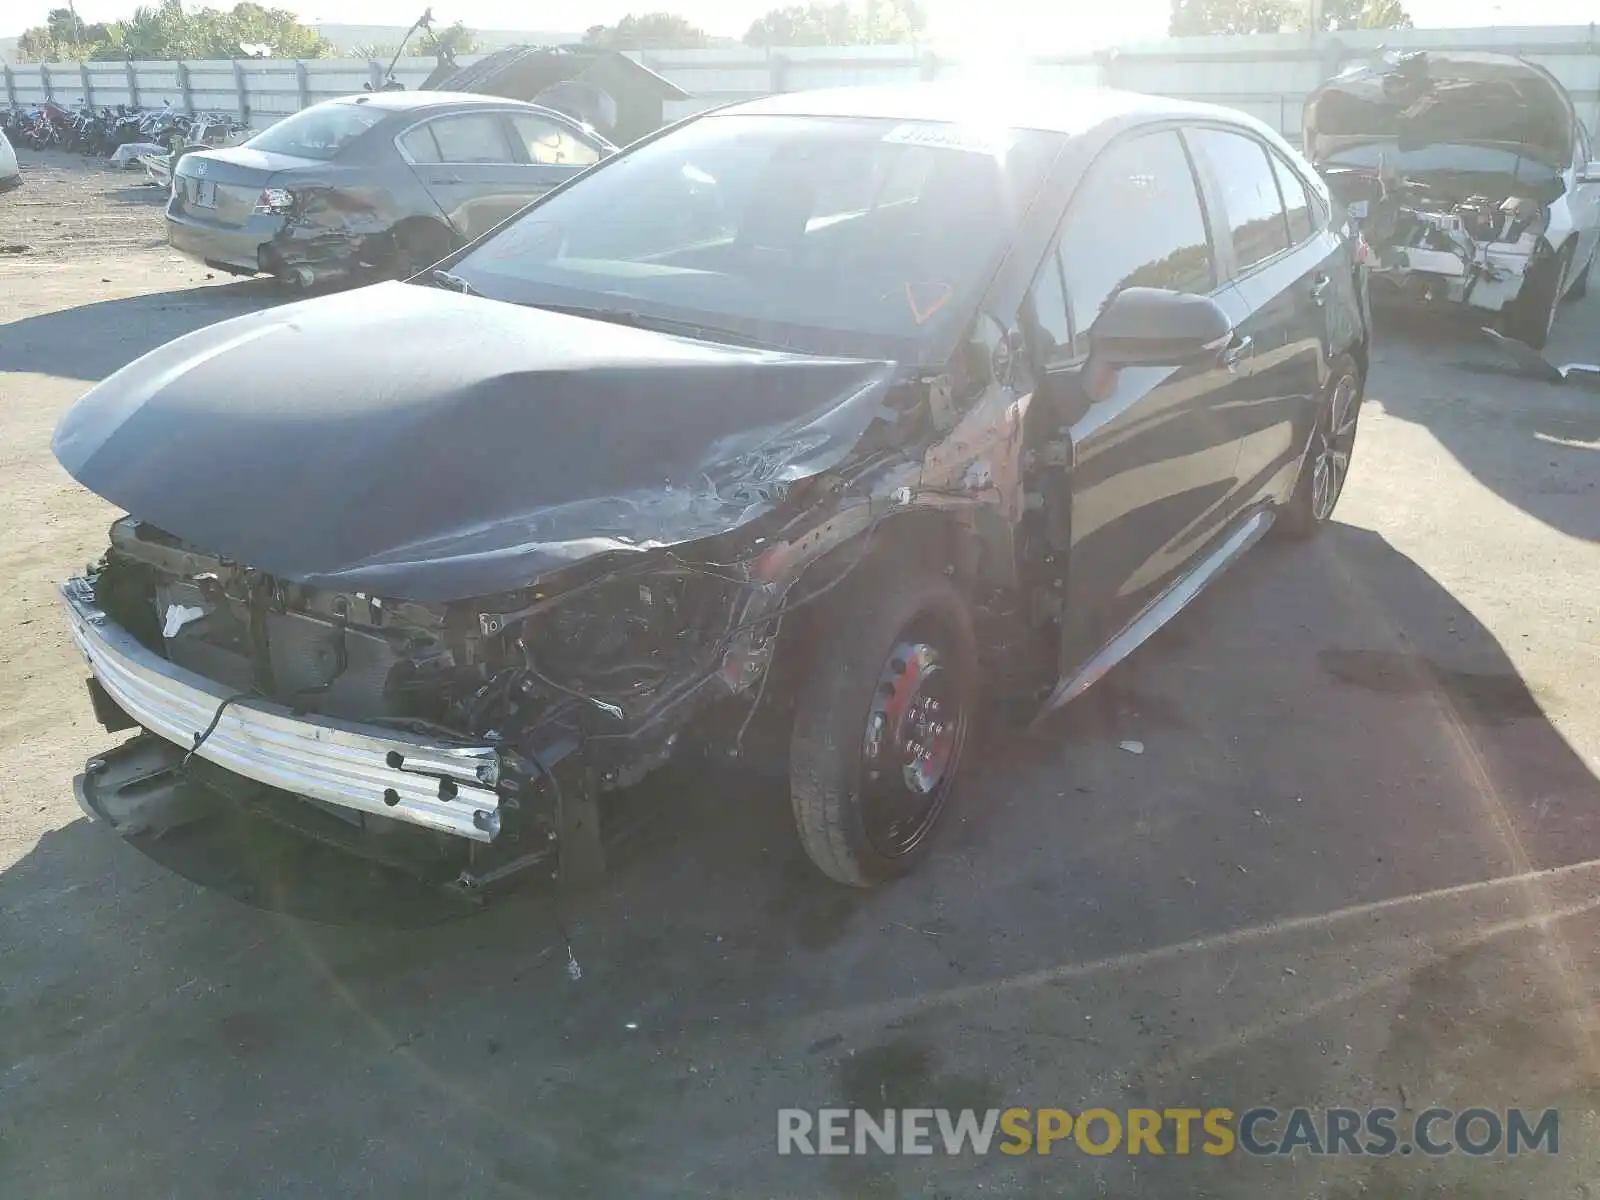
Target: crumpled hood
[(417, 443), (1429, 98)]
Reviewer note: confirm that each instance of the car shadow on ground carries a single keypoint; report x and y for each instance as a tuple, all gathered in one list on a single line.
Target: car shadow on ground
[(1535, 444), (140, 192), (91, 341), (1329, 743)]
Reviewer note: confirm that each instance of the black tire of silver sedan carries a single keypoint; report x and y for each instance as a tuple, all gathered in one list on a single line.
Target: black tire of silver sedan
[(1532, 315), (417, 246), (1327, 461), (881, 721)]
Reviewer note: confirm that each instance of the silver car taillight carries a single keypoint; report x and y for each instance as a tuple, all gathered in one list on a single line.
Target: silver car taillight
[(274, 200)]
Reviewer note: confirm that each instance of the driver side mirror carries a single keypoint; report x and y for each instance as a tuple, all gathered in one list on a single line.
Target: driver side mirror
[(1154, 327)]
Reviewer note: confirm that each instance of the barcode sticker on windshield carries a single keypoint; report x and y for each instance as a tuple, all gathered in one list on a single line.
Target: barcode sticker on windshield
[(940, 136)]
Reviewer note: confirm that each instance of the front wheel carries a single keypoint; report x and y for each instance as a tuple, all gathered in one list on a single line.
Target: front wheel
[(1327, 463), (881, 722)]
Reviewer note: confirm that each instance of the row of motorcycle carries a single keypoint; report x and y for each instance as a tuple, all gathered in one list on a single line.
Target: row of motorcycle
[(91, 130)]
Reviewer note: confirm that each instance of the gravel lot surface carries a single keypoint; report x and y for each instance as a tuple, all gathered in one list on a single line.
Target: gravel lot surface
[(1356, 864)]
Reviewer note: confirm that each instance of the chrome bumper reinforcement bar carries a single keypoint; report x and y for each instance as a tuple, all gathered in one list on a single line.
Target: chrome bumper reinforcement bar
[(387, 773)]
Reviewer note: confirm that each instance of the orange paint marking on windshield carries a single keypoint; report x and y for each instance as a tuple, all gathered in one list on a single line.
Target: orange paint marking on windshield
[(925, 299)]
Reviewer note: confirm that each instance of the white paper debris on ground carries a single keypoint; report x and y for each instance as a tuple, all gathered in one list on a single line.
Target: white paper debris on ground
[(1132, 747)]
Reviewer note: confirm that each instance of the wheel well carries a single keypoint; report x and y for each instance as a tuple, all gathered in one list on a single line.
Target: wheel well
[(931, 538), (1359, 352), (422, 226), (915, 537), (927, 538)]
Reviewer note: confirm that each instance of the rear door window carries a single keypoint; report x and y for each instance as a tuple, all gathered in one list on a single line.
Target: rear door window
[(471, 138), (1250, 198), (1136, 221)]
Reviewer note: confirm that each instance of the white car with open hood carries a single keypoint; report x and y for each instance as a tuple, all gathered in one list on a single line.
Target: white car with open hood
[(1471, 177)]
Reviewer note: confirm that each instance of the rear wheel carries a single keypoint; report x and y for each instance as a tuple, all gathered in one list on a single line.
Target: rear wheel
[(1532, 314), (417, 247), (881, 722), (1327, 463)]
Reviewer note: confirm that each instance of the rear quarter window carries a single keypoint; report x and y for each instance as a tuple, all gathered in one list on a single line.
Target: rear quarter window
[(552, 145)]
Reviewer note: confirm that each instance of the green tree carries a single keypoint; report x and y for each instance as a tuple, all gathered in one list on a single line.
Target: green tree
[(253, 24), (64, 25), (167, 31), (36, 45), (62, 38), (1385, 14), (449, 42), (1194, 17), (651, 31), (877, 22)]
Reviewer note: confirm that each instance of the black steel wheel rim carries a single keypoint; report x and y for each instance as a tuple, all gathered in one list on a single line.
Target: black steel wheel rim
[(916, 730)]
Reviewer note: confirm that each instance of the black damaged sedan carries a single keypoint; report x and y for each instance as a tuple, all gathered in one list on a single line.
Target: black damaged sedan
[(815, 423), (378, 185)]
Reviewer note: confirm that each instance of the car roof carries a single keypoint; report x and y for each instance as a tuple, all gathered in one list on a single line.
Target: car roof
[(1040, 104), (412, 101)]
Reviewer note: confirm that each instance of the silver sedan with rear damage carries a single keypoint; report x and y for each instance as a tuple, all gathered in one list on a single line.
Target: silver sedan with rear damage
[(371, 186)]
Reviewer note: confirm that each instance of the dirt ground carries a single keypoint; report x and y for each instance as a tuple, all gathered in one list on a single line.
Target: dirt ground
[(1354, 865)]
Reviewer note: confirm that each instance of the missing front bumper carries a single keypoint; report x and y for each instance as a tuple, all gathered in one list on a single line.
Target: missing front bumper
[(446, 788)]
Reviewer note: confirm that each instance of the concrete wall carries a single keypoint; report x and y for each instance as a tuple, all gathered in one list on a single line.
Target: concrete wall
[(1266, 75)]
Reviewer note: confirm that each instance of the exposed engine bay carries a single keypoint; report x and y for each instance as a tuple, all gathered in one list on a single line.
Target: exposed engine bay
[(550, 698), (1460, 239), (471, 669)]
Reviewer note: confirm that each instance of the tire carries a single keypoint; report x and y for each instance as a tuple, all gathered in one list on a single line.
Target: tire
[(1580, 285), (1533, 312), (893, 659), (417, 247), (1327, 463)]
